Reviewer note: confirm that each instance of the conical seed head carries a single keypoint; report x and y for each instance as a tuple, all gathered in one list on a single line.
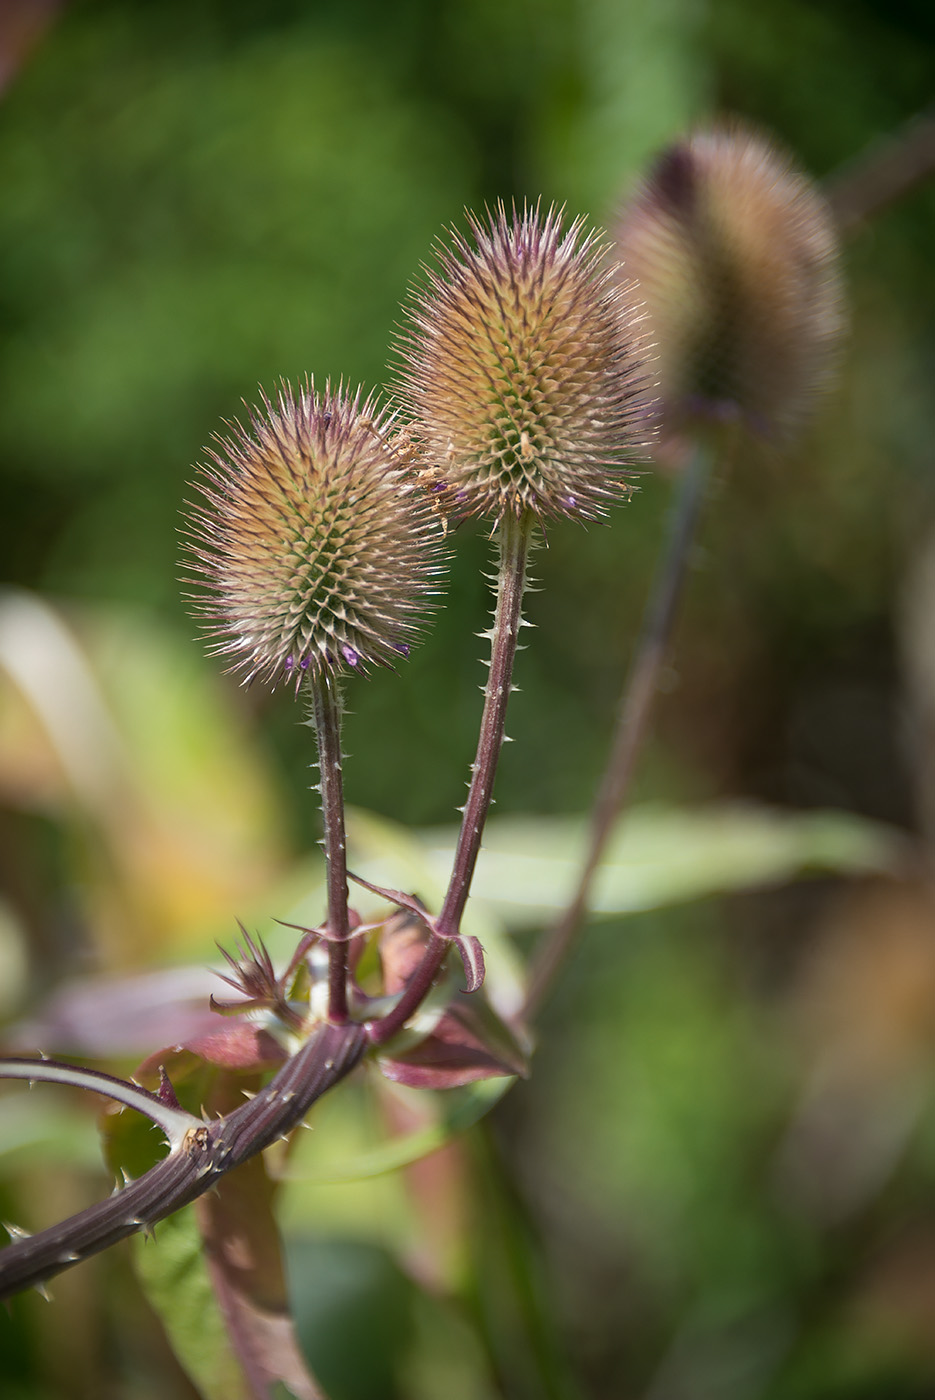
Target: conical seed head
[(736, 256), (319, 552), (523, 372)]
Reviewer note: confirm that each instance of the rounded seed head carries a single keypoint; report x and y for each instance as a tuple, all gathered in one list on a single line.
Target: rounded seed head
[(736, 256), (319, 552), (522, 371)]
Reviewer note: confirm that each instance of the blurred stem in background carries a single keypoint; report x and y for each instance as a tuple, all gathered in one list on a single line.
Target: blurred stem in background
[(736, 256), (862, 188), (633, 717)]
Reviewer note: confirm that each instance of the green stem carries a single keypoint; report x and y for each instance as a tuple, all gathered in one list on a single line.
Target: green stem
[(515, 536), (326, 704), (633, 718)]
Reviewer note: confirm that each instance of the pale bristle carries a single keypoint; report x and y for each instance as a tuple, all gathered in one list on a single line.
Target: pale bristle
[(736, 257), (319, 550), (522, 371)]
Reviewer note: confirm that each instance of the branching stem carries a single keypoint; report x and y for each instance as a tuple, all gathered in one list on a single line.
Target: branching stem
[(207, 1152)]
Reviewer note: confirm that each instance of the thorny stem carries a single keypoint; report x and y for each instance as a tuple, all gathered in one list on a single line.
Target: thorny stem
[(632, 719), (207, 1152), (515, 536), (327, 715)]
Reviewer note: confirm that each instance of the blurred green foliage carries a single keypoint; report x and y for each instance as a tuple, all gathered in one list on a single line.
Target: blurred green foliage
[(717, 1184)]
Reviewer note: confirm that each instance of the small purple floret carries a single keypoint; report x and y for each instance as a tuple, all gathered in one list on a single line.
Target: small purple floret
[(351, 656), (401, 647), (304, 663)]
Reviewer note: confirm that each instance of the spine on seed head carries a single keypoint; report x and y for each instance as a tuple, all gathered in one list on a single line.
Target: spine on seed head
[(319, 551), (522, 371)]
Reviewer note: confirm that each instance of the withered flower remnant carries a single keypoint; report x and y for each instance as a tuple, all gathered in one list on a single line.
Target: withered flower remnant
[(320, 553), (735, 253), (522, 371)]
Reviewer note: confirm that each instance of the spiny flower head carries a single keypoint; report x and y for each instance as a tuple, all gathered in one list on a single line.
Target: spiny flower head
[(521, 371), (736, 256), (318, 550)]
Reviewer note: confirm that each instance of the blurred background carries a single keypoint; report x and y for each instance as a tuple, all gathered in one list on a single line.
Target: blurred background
[(720, 1179)]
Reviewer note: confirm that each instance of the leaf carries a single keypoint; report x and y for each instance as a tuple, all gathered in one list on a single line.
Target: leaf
[(661, 856), (403, 938), (172, 1269), (458, 1110), (234, 1045), (41, 1128), (214, 1274), (469, 1043), (244, 1262)]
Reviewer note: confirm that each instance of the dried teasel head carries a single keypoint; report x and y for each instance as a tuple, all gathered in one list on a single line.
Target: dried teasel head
[(319, 552), (736, 256), (522, 371)]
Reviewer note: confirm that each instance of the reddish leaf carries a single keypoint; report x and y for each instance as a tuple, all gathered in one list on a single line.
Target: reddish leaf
[(235, 1045), (469, 1043), (402, 943), (244, 1262)]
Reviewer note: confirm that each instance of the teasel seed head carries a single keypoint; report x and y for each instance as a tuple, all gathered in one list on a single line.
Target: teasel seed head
[(522, 371), (736, 256), (320, 553)]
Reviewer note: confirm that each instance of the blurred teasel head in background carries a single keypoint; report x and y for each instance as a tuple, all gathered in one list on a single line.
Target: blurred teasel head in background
[(736, 257), (319, 552), (523, 371)]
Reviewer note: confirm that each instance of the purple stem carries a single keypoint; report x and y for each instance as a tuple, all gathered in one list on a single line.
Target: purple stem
[(206, 1153), (514, 535), (327, 715)]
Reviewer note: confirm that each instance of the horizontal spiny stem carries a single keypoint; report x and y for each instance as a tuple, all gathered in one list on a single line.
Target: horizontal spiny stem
[(206, 1152)]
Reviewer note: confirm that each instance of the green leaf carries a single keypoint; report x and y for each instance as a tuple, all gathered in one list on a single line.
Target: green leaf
[(458, 1110), (661, 856), (174, 1276), (39, 1128)]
